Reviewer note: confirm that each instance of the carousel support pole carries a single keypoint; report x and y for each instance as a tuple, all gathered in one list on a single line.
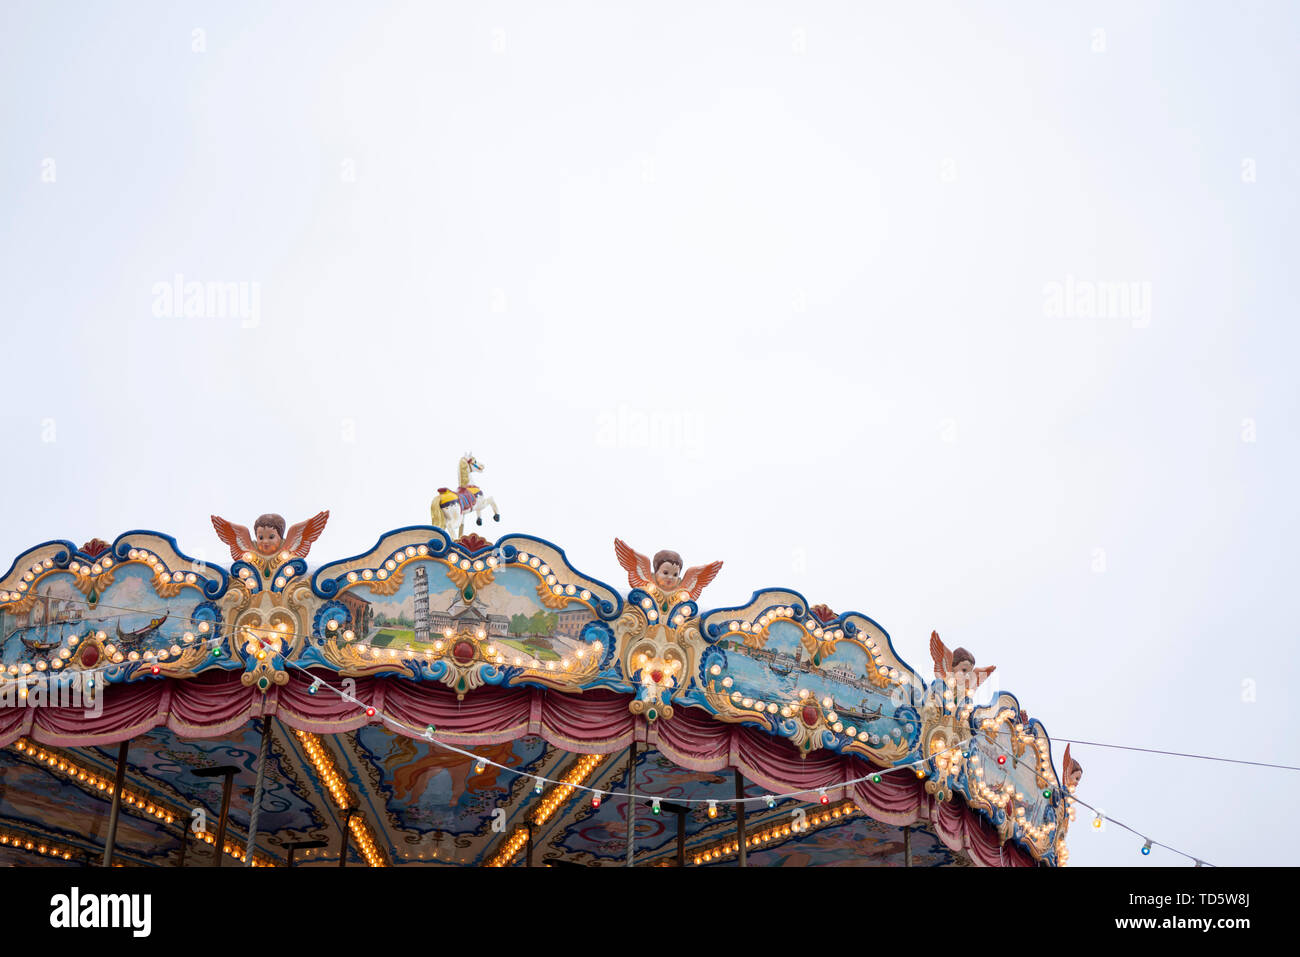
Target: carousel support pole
[(117, 803), (257, 791), (228, 771), (740, 818), (631, 800), (185, 843), (907, 847), (681, 838), (347, 821), (529, 861)]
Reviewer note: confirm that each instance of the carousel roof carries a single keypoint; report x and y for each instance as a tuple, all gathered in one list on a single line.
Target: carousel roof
[(476, 703)]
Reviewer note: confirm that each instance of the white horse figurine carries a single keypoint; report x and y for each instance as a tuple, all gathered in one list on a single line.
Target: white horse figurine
[(448, 510)]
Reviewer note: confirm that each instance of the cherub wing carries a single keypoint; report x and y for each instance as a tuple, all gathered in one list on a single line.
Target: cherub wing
[(236, 536), (634, 563), (982, 673), (941, 655), (1065, 765), (299, 539), (695, 579)]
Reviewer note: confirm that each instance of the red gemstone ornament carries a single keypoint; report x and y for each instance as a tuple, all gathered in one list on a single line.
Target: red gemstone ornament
[(89, 656), (463, 651), (809, 715)]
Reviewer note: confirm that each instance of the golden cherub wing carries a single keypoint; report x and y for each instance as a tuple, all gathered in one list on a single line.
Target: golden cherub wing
[(941, 655), (236, 536), (634, 563), (982, 673), (696, 578), (1065, 765), (298, 540)]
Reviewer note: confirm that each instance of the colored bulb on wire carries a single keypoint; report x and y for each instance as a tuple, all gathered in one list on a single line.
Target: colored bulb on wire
[(1146, 848), (771, 801), (537, 787), (479, 766), (1002, 759), (654, 806), (713, 809), (595, 799), (370, 712), (315, 686), (824, 797), (876, 779)]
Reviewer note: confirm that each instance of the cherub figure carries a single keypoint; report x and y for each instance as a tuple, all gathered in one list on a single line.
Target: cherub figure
[(662, 578), (1073, 771), (269, 546), (957, 667)]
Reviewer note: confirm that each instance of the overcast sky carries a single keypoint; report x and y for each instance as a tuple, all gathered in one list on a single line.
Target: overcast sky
[(971, 318)]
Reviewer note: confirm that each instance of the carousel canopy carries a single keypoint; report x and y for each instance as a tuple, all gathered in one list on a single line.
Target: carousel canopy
[(474, 703)]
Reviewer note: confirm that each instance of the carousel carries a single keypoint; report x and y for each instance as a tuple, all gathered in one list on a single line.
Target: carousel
[(447, 700)]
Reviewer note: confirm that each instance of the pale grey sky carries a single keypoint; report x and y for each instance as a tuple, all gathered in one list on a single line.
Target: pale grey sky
[(806, 290)]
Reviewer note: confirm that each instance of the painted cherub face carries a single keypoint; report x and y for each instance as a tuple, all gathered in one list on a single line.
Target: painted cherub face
[(268, 539), (668, 575)]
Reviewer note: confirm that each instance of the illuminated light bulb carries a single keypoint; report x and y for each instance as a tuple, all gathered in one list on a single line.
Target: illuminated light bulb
[(1002, 759), (713, 809), (370, 712), (875, 779), (654, 806), (1096, 822), (479, 766), (825, 798), (1146, 848), (595, 799), (315, 686), (771, 801)]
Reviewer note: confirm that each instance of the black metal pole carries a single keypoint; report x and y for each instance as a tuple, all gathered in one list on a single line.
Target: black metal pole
[(681, 838), (116, 811), (740, 818), (185, 843), (228, 771), (631, 800), (220, 843), (907, 847), (347, 819), (529, 861)]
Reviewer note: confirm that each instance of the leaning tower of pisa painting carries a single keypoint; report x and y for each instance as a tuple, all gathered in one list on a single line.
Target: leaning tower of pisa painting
[(421, 604)]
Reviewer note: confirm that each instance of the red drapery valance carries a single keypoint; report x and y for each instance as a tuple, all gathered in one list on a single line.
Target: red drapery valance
[(597, 722)]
